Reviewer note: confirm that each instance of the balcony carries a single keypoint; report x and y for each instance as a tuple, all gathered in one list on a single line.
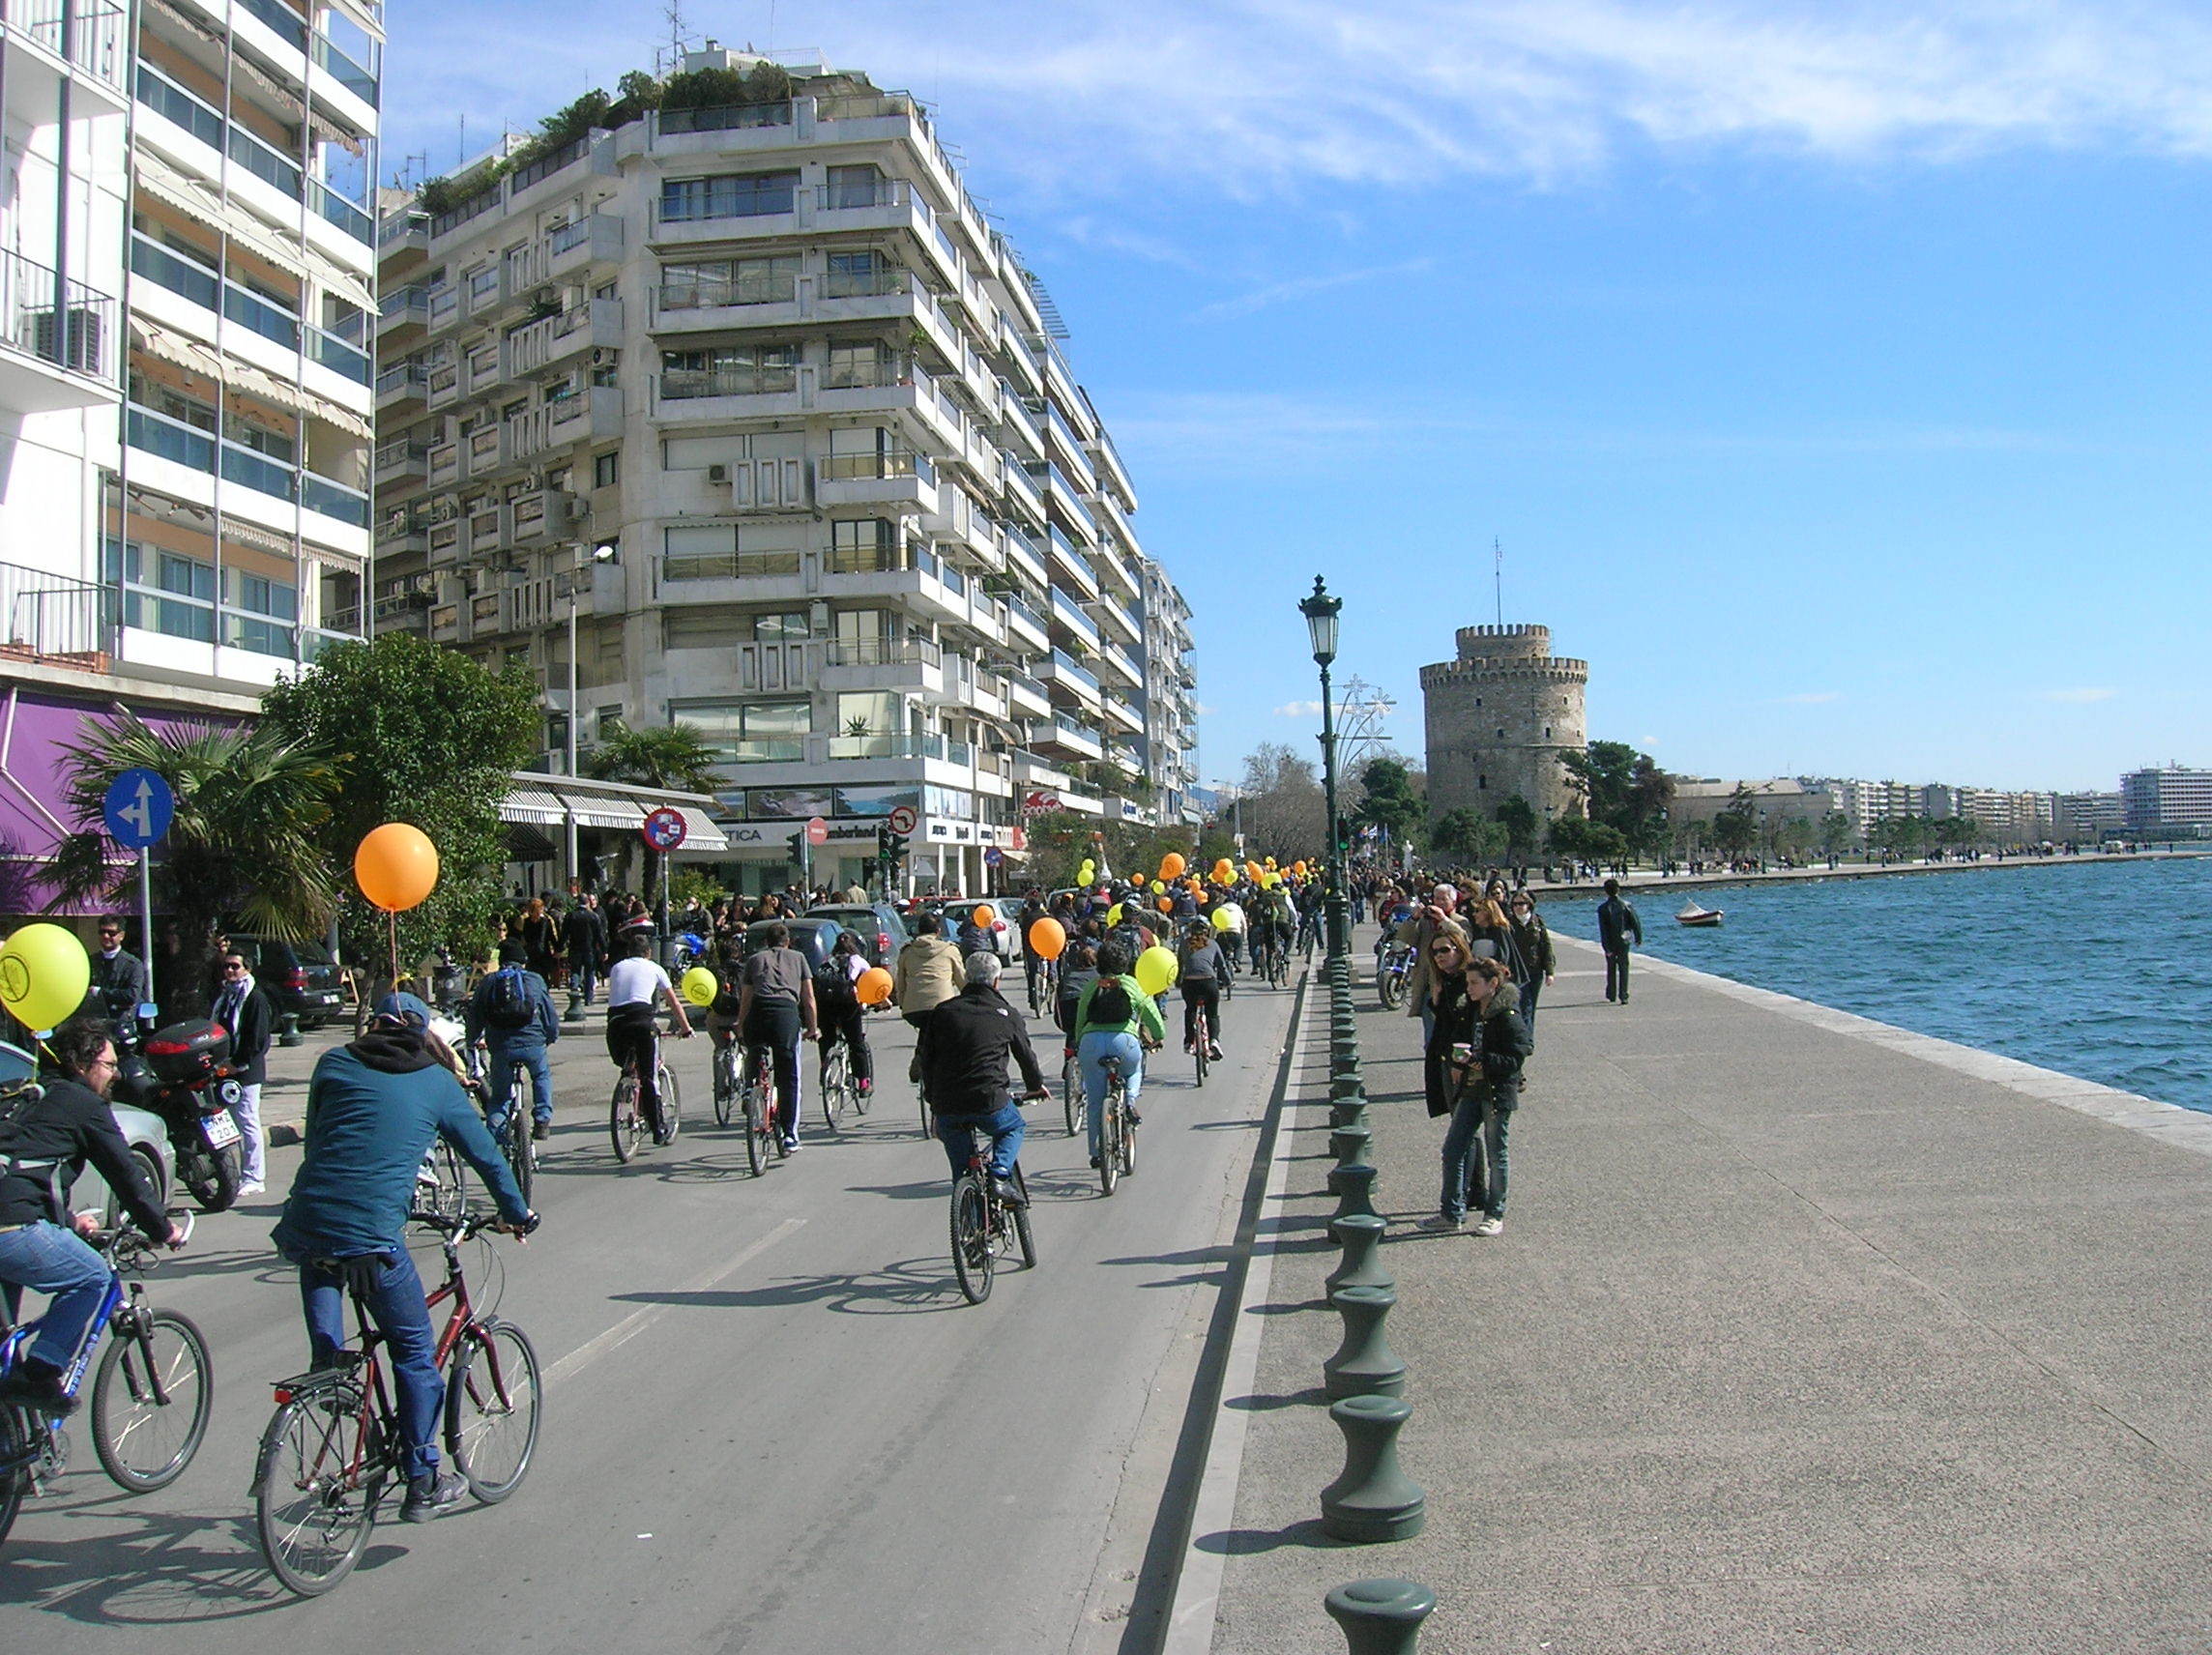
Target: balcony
[(1022, 554), (263, 479), (898, 477), (1120, 714), (1026, 696), (1024, 620), (53, 355), (558, 340), (1064, 735), (1030, 770), (1111, 473), (1022, 491), (1117, 617), (401, 313), (1069, 618), (402, 389), (1119, 663), (402, 462), (52, 620), (1069, 682), (590, 245), (593, 416), (89, 37), (1069, 567)]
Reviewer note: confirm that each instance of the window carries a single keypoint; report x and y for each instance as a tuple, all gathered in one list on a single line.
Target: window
[(258, 613), (858, 275), (748, 731), (711, 282), (864, 545), (175, 596), (278, 446), (859, 364), (855, 187), (729, 370), (708, 551), (606, 469), (730, 196)]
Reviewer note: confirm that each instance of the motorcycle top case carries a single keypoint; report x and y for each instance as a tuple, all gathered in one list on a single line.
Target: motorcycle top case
[(188, 1053)]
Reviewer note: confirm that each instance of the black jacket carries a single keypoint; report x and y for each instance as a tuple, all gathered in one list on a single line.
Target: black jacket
[(963, 1052), (250, 1037), (117, 990), (47, 1147), (1502, 1041), (1616, 922), (586, 937)]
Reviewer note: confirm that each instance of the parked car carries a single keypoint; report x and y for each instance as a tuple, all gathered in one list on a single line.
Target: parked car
[(299, 977), (955, 914), (145, 1132), (811, 936), (881, 926)]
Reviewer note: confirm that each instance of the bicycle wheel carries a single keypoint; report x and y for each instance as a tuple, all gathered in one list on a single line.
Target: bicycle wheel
[(315, 1483), (623, 1121), (494, 1397), (442, 1187), (1022, 1221), (1202, 1039), (1128, 1138), (14, 1465), (972, 1239), (725, 1083), (1071, 1100), (836, 1075), (150, 1401), (755, 1109), (1109, 1140), (671, 1103), (520, 1117)]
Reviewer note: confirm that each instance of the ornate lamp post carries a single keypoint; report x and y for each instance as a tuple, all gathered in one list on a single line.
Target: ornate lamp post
[(1320, 611)]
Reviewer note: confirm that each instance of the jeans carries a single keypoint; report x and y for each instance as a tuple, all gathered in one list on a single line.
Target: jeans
[(1091, 1052), (852, 1026), (1529, 990), (396, 1305), (774, 1024), (1467, 1180), (47, 1259), (584, 977), (1616, 973), (504, 1053), (246, 1112), (1005, 1126)]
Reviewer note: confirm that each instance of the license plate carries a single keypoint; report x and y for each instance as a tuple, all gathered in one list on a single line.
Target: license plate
[(220, 1128)]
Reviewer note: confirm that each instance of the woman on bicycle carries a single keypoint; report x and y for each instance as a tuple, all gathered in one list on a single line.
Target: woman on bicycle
[(636, 987), (837, 1005), (1202, 970), (775, 1006), (1114, 1019)]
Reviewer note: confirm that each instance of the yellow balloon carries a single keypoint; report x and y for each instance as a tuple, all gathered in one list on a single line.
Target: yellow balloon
[(1156, 971), (396, 866), (1113, 917), (1158, 885), (698, 987), (1269, 882), (1221, 920), (1224, 872), (43, 974)]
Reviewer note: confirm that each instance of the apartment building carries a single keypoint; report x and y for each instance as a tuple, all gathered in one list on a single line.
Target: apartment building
[(748, 398), (185, 268), (2167, 798), (2086, 816)]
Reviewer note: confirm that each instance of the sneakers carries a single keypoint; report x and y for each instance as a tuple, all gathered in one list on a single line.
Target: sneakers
[(541, 1130), (1005, 1190), (34, 1386), (867, 1088), (1095, 1163), (252, 1186), (1136, 1120), (791, 1146), (1443, 1226), (1492, 1224), (427, 1496), (1214, 1050)]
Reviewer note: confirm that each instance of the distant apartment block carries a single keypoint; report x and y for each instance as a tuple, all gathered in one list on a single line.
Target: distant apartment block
[(1775, 802), (859, 522), (2167, 797), (2086, 816)]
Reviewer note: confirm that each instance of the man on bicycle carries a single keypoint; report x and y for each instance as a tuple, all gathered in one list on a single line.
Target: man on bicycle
[(1115, 1019), (965, 1041), (1232, 935), (47, 1136), (775, 1003), (1271, 928), (512, 1012), (373, 1110), (635, 987)]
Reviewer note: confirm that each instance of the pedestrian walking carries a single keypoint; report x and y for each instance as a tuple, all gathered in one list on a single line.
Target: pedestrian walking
[(1616, 924), (1483, 1056), (584, 934), (245, 1010)]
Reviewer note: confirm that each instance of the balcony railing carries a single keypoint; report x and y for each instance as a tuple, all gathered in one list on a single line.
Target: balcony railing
[(173, 440), (907, 746), (91, 37), (47, 617), (682, 385), (885, 653), (546, 166), (725, 118), (1065, 663), (727, 565), (879, 466), (78, 335), (722, 295)]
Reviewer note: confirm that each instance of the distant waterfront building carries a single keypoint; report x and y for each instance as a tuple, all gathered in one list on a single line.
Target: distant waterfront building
[(1499, 720), (1774, 802), (2167, 797), (2090, 816)]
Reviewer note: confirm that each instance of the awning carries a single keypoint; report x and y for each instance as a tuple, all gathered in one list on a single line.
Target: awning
[(531, 804), (535, 799), (701, 833), (176, 349), (613, 813)]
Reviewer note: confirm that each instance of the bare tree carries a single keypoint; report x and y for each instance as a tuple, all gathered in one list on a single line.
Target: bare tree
[(1280, 801)]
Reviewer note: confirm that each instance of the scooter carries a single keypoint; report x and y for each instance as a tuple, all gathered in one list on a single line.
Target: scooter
[(182, 1074)]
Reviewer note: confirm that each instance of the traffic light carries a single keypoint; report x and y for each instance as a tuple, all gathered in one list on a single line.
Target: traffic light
[(797, 844)]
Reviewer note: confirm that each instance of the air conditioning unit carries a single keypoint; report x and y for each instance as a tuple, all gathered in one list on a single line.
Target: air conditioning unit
[(84, 325), (719, 474), (603, 356)]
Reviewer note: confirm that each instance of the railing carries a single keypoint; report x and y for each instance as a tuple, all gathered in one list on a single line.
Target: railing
[(50, 617), (546, 166), (759, 749), (338, 356), (879, 466), (727, 565), (682, 385), (863, 195), (93, 40), (407, 299), (1075, 732), (720, 295), (392, 455), (475, 206), (885, 653), (729, 203), (1022, 606), (400, 378), (399, 227), (173, 440), (879, 283), (908, 746), (336, 209), (954, 581), (285, 22), (255, 315), (346, 72), (173, 103), (1065, 663), (864, 106), (78, 335), (725, 117), (333, 500), (1073, 618), (1034, 686)]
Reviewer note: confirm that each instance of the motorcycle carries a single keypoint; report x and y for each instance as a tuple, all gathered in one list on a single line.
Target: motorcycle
[(1390, 979), (182, 1074)]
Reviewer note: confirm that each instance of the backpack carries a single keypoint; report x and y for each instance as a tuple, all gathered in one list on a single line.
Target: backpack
[(833, 994), (506, 1001), (1110, 1004), (729, 992)]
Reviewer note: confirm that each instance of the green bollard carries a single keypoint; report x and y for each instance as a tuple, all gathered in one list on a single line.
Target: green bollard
[(1373, 1501), (1361, 1239), (1364, 1364), (1349, 1144), (1354, 1190), (288, 1031), (1350, 1110), (1380, 1617)]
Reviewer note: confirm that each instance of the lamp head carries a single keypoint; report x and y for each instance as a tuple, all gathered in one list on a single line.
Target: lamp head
[(607, 552), (1320, 611)]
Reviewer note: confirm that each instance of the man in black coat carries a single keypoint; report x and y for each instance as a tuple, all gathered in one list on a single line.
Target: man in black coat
[(962, 1055), (584, 935), (241, 1007), (1616, 924), (118, 986)]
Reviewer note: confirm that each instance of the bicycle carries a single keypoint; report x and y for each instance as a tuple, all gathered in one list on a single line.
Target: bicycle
[(1202, 1040), (1072, 1099), (515, 1140), (764, 1140), (729, 1080), (151, 1394), (333, 1447), (441, 1184), (840, 1092), (984, 1223), (1117, 1129), (625, 1121)]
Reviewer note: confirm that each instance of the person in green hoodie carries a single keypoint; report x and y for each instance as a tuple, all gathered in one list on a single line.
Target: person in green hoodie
[(373, 1110), (1115, 1018)]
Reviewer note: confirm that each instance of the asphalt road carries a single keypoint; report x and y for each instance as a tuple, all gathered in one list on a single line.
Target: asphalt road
[(772, 1424)]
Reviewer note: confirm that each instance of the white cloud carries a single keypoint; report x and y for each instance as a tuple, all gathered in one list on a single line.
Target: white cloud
[(1298, 709), (1303, 287), (2079, 695)]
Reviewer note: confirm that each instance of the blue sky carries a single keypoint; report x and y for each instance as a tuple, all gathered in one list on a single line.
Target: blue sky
[(1832, 375)]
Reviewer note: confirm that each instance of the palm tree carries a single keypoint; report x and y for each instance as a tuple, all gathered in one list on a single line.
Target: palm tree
[(241, 845), (671, 756)]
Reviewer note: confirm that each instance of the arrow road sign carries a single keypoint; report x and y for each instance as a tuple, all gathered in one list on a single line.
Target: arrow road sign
[(139, 807), (904, 820)]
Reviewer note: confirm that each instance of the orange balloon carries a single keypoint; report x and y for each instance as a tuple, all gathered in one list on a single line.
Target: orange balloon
[(984, 915), (1224, 872), (1172, 866), (1048, 939), (1167, 905), (873, 986), (396, 866), (1298, 868)]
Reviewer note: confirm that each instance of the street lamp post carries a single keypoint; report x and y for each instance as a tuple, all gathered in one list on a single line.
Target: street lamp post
[(1321, 612), (605, 552)]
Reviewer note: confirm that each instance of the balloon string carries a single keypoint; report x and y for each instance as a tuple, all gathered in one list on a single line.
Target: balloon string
[(391, 924)]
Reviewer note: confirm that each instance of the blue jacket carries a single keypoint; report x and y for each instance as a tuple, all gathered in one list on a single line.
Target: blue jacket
[(543, 1026), (373, 1110)]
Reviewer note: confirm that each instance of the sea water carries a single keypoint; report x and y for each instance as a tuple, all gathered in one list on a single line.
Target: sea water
[(2101, 968)]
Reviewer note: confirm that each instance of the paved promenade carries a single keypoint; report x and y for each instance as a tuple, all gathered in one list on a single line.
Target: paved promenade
[(1803, 1335)]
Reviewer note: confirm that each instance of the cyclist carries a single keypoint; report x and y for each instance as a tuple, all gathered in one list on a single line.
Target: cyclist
[(1036, 970), (512, 1012), (635, 987), (1309, 903), (925, 975), (775, 1003), (1271, 927), (373, 1110), (963, 1051), (1202, 970), (1232, 935), (47, 1136), (838, 1009), (1114, 1019)]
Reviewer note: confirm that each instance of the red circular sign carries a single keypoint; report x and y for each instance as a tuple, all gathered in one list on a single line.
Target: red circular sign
[(663, 829), (817, 831), (904, 820)]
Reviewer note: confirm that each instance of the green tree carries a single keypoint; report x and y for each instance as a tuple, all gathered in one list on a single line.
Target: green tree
[(1465, 838), (244, 847), (1518, 817), (672, 757), (1736, 828), (1899, 835), (1795, 838), (1622, 787), (1388, 799), (1836, 834), (419, 735)]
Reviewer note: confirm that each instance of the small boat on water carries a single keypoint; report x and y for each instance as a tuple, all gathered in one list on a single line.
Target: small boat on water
[(1693, 915)]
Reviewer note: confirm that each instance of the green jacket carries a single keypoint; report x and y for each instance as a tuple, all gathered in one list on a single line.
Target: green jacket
[(1144, 1017)]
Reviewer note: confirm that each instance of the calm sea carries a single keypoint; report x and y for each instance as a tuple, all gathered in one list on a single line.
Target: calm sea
[(2101, 969)]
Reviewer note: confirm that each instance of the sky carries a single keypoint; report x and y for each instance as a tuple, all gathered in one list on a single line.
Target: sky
[(1831, 375)]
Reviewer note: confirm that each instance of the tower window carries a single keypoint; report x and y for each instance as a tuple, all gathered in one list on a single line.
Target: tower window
[(1501, 731), (1482, 784)]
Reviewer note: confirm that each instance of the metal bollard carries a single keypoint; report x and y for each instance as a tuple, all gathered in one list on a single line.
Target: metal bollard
[(1362, 1238), (1349, 1144), (1380, 1617), (288, 1031), (1354, 1190), (575, 1010), (1349, 1111), (1372, 1500), (1364, 1364)]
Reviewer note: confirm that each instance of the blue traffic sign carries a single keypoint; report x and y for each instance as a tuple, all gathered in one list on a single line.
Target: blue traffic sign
[(993, 856), (139, 807)]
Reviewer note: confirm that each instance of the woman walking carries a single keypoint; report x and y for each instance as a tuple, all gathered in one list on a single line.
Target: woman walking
[(1538, 960), (1483, 1067)]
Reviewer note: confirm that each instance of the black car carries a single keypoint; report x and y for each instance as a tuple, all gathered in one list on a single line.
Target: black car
[(812, 938), (881, 926), (299, 977)]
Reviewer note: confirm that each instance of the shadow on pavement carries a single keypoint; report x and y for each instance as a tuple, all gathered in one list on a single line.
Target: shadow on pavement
[(901, 1288), (1317, 1396), (1245, 1542)]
